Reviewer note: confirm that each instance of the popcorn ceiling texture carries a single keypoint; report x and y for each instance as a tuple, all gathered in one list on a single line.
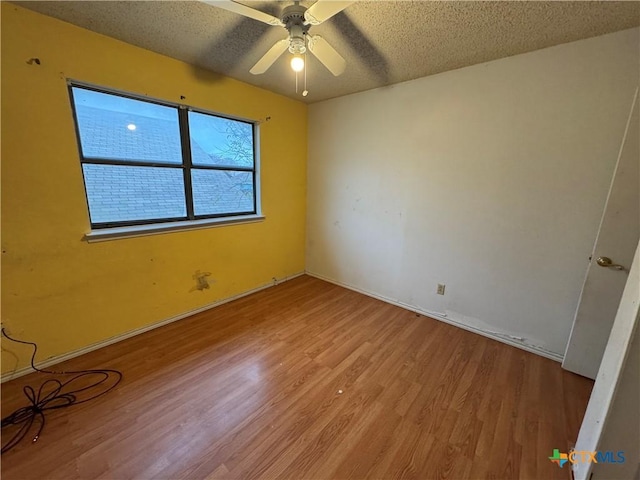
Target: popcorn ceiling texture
[(384, 42)]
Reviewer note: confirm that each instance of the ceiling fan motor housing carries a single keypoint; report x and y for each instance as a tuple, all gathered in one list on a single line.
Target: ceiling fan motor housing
[(293, 19)]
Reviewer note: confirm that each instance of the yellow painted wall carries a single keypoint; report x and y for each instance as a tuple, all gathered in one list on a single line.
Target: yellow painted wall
[(66, 294)]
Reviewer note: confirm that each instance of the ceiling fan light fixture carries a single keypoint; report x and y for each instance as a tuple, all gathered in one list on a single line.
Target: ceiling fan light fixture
[(297, 63), (297, 45)]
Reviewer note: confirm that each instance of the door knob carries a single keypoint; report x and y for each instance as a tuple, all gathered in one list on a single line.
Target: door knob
[(606, 262)]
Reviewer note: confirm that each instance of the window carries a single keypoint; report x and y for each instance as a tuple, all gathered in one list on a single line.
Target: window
[(147, 162)]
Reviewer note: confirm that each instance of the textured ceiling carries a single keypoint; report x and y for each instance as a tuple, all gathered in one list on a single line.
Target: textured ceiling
[(384, 42)]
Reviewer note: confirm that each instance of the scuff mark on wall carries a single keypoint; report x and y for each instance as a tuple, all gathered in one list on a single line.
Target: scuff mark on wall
[(202, 283)]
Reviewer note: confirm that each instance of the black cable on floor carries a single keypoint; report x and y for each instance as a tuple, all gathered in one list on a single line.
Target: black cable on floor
[(54, 394)]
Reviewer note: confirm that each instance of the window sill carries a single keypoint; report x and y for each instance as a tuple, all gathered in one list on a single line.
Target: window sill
[(118, 233)]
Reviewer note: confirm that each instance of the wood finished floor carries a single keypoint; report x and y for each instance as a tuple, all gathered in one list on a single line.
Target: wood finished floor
[(251, 390)]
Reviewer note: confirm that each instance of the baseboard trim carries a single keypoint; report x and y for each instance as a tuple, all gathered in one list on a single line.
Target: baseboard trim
[(132, 333), (412, 308)]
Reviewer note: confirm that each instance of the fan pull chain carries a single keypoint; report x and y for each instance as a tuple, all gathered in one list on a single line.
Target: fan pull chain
[(305, 92)]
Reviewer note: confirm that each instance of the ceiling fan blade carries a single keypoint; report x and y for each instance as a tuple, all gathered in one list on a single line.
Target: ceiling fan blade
[(326, 54), (271, 56), (245, 11), (323, 10)]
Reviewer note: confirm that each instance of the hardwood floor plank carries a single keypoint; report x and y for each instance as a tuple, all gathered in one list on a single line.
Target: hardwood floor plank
[(308, 380), (219, 473), (375, 443), (326, 466), (409, 452), (465, 433), (319, 440)]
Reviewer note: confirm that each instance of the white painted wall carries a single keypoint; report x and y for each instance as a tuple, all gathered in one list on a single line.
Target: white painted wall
[(490, 179)]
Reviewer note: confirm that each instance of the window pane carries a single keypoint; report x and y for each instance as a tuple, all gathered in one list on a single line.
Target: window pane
[(220, 141), (118, 128), (222, 191), (121, 193)]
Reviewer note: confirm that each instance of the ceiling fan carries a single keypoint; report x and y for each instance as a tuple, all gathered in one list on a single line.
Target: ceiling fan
[(297, 20)]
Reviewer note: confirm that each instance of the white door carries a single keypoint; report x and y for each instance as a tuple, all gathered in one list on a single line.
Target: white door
[(615, 244), (612, 413)]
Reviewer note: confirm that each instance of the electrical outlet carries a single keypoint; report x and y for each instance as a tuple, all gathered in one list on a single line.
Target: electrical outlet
[(440, 290)]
